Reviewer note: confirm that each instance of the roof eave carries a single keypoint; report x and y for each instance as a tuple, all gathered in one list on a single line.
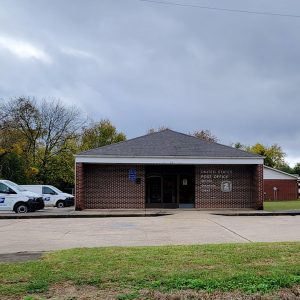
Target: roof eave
[(170, 156), (188, 160)]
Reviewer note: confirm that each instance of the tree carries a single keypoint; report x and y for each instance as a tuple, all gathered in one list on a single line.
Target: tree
[(16, 126), (158, 129), (14, 144), (206, 135), (13, 167), (39, 132), (38, 140), (274, 155), (101, 134), (60, 125), (11, 141), (239, 145), (60, 171), (286, 168), (296, 169)]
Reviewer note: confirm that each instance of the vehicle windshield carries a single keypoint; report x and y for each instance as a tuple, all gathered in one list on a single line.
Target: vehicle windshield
[(15, 186)]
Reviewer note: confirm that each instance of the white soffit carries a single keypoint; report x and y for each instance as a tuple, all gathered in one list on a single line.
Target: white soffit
[(169, 160)]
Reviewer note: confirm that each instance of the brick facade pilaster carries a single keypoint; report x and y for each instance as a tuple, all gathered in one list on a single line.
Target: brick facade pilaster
[(258, 186), (79, 187)]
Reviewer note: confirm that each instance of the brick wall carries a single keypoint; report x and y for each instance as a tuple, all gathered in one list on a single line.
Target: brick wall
[(286, 189), (108, 186), (258, 186), (240, 186), (79, 187)]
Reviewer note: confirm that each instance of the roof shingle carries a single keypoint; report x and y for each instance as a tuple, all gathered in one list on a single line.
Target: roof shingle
[(168, 143)]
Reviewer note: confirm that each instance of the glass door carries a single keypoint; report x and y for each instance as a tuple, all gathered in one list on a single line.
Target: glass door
[(153, 184), (187, 191), (170, 188)]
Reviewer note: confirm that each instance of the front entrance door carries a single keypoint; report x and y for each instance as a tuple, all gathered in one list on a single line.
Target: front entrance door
[(170, 189), (187, 191), (170, 186), (154, 189)]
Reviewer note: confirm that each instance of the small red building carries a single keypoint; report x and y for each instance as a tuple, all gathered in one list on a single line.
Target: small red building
[(279, 185)]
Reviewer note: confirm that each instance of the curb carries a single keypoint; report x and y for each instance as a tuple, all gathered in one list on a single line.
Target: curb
[(18, 216), (258, 214)]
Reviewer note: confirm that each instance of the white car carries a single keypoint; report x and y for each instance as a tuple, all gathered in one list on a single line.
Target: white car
[(15, 198), (52, 196)]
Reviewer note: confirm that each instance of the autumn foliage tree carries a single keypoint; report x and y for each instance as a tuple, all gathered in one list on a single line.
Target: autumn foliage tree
[(37, 133), (38, 140), (274, 155), (100, 134)]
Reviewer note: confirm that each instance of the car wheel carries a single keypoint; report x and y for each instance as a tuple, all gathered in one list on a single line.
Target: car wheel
[(21, 208), (60, 204)]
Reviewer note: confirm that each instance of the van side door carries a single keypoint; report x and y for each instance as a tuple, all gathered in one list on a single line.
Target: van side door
[(7, 197), (49, 196)]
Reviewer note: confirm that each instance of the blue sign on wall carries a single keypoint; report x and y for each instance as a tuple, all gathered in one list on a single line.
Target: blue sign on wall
[(132, 175)]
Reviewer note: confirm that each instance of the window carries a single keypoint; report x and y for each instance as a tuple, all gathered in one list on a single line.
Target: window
[(15, 186), (47, 190), (4, 189)]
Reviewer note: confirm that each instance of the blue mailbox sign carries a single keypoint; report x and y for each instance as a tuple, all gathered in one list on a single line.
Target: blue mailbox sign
[(132, 175)]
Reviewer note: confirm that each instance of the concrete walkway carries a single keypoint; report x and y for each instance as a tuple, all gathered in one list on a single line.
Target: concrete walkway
[(183, 227)]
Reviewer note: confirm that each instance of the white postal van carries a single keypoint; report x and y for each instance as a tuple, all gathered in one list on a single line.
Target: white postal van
[(15, 198), (52, 196)]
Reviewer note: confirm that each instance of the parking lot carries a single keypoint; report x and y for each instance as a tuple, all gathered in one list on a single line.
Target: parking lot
[(185, 227)]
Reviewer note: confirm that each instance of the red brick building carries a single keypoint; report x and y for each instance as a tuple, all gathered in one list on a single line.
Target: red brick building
[(168, 169), (279, 185)]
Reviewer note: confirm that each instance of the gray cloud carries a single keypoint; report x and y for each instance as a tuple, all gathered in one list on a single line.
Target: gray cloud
[(143, 65)]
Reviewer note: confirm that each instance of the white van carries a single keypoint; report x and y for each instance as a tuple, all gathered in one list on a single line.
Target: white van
[(52, 196), (14, 197)]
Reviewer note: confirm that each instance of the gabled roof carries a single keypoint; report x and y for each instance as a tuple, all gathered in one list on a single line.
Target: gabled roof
[(168, 143), (271, 173)]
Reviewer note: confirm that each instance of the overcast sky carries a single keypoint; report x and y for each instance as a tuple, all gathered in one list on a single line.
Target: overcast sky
[(143, 64)]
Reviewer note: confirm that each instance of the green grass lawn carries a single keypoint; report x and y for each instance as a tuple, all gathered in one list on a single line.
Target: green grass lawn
[(282, 205), (250, 268)]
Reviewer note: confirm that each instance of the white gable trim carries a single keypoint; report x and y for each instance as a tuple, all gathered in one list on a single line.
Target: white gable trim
[(271, 173), (170, 160)]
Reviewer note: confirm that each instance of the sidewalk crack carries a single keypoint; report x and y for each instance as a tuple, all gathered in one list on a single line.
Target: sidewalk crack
[(232, 231)]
